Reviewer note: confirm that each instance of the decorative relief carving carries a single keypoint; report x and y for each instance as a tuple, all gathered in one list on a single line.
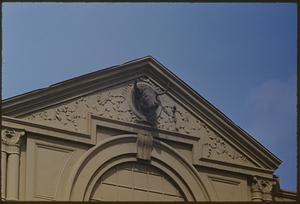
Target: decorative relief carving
[(262, 189), (174, 118), (67, 115), (156, 88), (116, 104), (267, 186), (72, 115), (11, 136), (215, 147)]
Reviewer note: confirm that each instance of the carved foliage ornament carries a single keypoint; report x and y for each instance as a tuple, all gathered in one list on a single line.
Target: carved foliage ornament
[(65, 115), (174, 118), (216, 148), (11, 136), (136, 103), (262, 189), (118, 104), (73, 115)]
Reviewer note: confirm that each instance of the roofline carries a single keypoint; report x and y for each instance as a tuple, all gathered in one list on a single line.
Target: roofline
[(37, 91)]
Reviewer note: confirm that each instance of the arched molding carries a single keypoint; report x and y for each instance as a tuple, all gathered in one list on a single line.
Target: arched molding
[(126, 159), (121, 149)]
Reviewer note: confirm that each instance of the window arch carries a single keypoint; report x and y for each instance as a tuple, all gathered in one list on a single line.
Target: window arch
[(122, 149)]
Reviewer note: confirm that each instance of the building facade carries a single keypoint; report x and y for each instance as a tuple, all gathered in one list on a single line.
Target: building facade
[(130, 132)]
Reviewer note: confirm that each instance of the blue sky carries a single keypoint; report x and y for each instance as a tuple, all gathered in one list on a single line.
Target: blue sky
[(240, 57)]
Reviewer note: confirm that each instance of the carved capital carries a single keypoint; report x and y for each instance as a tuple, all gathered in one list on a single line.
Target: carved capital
[(144, 146), (255, 184), (256, 189), (267, 186), (261, 189), (11, 137)]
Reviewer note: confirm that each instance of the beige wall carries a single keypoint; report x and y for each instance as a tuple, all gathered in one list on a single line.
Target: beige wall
[(47, 164)]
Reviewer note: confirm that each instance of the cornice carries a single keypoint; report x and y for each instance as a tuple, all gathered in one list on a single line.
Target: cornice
[(230, 167), (286, 194), (29, 127)]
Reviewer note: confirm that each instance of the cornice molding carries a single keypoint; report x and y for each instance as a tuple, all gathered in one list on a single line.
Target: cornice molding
[(230, 167), (29, 127), (286, 194)]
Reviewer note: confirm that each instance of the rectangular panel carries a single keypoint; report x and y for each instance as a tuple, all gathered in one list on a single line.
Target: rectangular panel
[(228, 189), (49, 164)]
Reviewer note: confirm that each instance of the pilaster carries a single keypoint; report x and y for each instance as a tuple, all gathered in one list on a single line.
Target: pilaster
[(261, 189), (10, 155)]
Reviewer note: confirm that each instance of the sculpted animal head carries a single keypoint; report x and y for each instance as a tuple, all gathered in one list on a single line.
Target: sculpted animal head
[(148, 98), (145, 98), (146, 101)]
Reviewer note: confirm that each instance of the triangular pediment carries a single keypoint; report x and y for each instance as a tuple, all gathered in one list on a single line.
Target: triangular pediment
[(108, 93)]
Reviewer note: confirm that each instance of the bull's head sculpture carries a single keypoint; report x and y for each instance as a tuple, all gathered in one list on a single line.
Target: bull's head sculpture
[(146, 101)]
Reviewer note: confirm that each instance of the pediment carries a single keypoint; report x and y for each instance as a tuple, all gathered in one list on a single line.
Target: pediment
[(115, 104), (108, 94)]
